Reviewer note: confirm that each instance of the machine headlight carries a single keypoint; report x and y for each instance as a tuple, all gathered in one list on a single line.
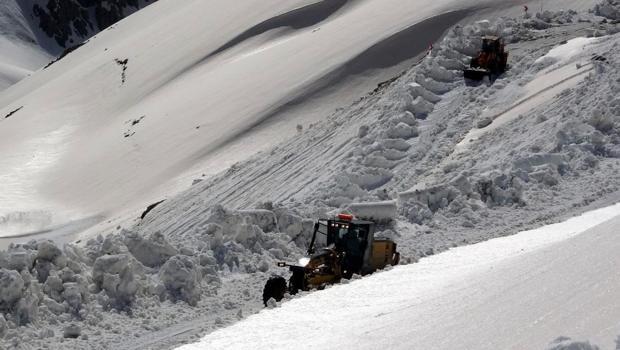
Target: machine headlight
[(303, 261)]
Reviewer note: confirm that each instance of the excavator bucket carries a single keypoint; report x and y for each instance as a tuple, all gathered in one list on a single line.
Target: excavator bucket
[(475, 74)]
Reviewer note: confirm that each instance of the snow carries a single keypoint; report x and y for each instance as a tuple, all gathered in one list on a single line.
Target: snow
[(181, 278), (198, 261), (484, 296), (188, 103), (19, 55), (374, 211), (609, 9), (567, 51), (563, 71)]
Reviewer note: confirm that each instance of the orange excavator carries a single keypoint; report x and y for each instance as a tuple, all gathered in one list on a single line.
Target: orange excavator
[(491, 61)]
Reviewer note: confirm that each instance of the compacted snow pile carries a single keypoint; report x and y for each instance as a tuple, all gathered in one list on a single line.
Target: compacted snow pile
[(98, 294)]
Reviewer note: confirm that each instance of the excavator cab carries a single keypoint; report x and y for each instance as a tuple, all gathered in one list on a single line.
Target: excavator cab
[(490, 44), (349, 248)]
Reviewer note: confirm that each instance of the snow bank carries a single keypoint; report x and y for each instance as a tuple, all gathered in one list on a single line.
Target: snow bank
[(134, 271), (608, 9)]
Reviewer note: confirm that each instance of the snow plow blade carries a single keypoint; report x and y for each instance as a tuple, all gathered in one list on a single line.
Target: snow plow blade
[(475, 74)]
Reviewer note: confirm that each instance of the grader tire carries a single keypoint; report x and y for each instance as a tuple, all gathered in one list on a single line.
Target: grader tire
[(274, 288), (396, 259)]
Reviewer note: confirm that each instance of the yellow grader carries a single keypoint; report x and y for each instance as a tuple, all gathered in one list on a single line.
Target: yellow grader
[(351, 248)]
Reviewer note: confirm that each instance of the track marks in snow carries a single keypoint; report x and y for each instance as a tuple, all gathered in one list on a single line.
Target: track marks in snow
[(566, 72), (531, 100)]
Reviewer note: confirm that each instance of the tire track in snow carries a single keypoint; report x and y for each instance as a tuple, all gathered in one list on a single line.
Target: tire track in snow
[(523, 105)]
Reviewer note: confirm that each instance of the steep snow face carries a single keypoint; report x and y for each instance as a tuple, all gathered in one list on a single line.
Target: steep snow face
[(19, 53), (156, 94), (518, 292)]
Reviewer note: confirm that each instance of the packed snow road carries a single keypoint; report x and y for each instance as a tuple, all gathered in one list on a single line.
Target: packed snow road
[(518, 292)]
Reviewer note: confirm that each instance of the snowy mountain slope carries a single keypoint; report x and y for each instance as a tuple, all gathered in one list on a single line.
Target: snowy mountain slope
[(550, 164), (33, 32), (114, 130), (191, 266), (398, 145), (19, 53), (518, 292)]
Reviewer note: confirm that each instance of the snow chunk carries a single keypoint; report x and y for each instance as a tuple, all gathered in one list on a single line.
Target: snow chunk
[(370, 178), (11, 288), (402, 131), (416, 90), (396, 144), (26, 309), (72, 331), (47, 250), (116, 275), (421, 108), (18, 259), (181, 277), (3, 326), (262, 218), (153, 251)]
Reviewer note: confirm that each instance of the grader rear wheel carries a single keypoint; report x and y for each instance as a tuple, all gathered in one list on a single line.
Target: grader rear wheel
[(274, 288)]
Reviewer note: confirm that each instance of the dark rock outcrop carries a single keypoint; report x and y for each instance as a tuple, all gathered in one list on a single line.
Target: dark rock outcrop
[(72, 21)]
